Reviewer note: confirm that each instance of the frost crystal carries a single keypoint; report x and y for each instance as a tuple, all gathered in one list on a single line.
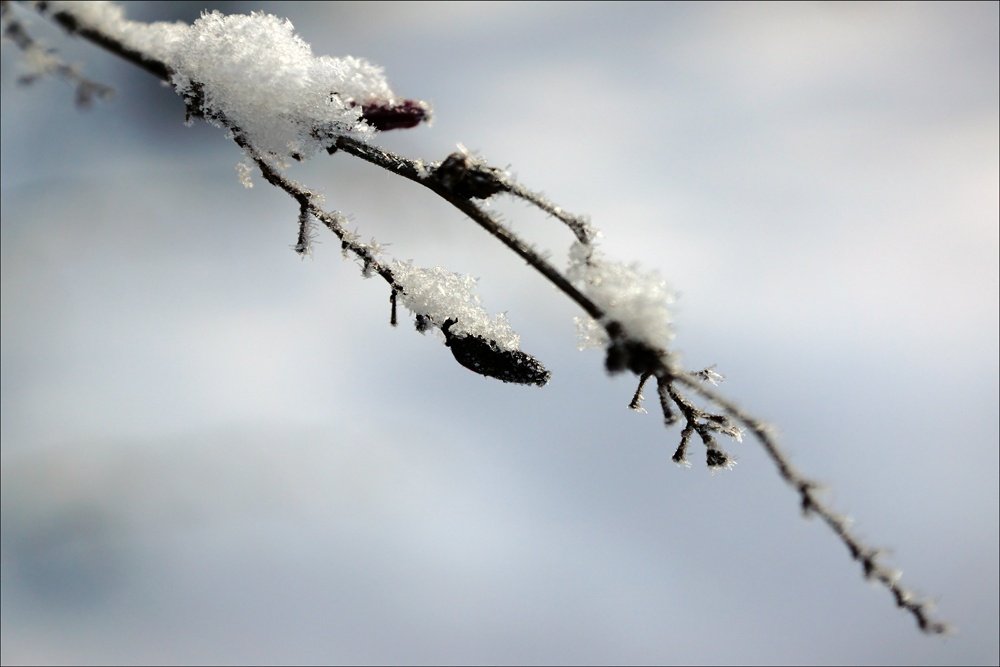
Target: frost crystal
[(442, 295), (638, 300), (256, 72)]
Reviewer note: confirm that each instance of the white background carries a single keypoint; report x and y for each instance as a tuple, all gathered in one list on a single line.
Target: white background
[(213, 451)]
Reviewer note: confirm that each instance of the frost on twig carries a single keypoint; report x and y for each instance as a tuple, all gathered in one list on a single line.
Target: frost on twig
[(697, 420), (468, 177), (253, 76), (439, 298), (440, 295)]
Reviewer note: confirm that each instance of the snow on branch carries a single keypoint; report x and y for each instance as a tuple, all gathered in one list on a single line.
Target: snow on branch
[(253, 76)]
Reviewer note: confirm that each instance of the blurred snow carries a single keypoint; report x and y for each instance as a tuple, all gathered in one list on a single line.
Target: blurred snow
[(213, 451)]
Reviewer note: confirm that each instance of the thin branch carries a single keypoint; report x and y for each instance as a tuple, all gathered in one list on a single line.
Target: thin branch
[(414, 171), (70, 24), (579, 225), (811, 504), (459, 180)]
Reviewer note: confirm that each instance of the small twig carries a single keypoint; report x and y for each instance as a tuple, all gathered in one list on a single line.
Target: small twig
[(460, 179), (811, 504), (636, 403), (411, 170), (70, 24), (578, 225)]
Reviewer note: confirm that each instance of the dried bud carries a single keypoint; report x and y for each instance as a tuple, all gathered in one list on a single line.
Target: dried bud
[(461, 176), (407, 114), (483, 356)]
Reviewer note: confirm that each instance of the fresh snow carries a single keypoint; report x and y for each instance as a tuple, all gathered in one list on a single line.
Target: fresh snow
[(256, 72), (441, 295), (638, 300), (260, 77)]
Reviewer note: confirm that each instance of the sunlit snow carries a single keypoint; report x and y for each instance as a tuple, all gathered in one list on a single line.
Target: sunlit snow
[(638, 300), (254, 72), (441, 295)]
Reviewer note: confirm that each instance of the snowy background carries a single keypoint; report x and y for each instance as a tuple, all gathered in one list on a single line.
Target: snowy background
[(213, 451)]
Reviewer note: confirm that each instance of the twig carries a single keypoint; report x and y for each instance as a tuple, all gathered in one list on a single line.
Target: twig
[(460, 179), (838, 523)]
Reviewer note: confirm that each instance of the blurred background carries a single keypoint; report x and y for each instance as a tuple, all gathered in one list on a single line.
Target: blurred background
[(213, 451)]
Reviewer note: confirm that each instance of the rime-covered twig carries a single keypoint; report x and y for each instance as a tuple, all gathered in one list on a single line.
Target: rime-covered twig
[(580, 226), (475, 352), (807, 489), (698, 421), (332, 221), (416, 171), (634, 337), (486, 346)]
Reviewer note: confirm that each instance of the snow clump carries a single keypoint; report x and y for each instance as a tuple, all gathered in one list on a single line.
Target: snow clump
[(443, 295), (638, 300), (256, 73)]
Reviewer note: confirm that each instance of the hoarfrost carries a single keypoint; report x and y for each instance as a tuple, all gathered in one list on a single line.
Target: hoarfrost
[(443, 295)]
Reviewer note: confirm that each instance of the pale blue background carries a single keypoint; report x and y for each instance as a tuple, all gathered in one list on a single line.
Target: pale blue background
[(213, 451)]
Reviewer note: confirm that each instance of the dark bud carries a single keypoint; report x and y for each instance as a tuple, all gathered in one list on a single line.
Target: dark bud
[(632, 355), (463, 178), (422, 323), (808, 503), (408, 113), (483, 356)]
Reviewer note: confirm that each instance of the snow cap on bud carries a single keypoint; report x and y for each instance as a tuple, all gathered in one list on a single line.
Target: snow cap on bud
[(636, 304)]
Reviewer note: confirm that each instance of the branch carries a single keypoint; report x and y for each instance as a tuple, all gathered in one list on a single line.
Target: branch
[(451, 180), (625, 309), (812, 504)]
